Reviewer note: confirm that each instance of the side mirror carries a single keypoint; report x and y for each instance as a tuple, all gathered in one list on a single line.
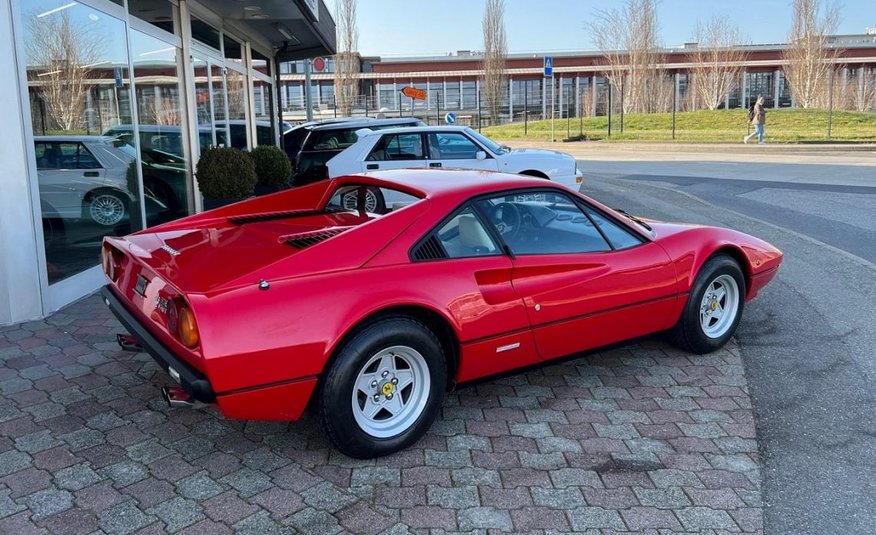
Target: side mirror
[(481, 155)]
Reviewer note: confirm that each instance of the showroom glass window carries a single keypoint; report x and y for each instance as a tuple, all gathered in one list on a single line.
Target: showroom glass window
[(79, 87), (163, 145)]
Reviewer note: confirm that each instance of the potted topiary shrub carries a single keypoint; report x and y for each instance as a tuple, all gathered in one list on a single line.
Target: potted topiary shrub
[(225, 175), (273, 169)]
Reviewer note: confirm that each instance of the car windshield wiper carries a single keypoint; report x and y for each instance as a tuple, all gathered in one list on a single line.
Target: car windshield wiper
[(634, 218)]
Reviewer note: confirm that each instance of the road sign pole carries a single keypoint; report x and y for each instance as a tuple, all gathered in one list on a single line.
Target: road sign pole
[(553, 103), (525, 107)]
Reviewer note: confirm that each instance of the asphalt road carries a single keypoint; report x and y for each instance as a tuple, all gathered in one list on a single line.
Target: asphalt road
[(809, 340)]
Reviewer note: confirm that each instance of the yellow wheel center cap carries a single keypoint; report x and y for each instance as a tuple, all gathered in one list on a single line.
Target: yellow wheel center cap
[(713, 305), (387, 389)]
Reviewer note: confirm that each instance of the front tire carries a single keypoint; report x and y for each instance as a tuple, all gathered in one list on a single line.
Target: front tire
[(383, 389), (714, 307)]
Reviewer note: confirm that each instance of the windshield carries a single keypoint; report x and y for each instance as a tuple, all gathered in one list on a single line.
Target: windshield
[(489, 143)]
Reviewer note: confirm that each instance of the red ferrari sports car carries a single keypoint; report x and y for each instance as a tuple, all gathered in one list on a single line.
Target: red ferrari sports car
[(368, 296)]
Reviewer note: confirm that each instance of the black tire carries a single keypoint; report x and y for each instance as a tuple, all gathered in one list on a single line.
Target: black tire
[(335, 398), (689, 333)]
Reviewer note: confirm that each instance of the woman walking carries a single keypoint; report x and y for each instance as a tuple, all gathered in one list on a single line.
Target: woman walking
[(758, 119)]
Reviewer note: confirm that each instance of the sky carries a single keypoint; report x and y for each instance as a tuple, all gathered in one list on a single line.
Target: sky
[(437, 27)]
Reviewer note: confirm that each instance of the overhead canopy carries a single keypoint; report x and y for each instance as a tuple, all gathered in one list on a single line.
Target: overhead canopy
[(296, 29)]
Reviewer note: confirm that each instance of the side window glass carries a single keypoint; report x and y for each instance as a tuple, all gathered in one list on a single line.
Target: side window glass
[(464, 236), (84, 158), (546, 223), (403, 147), (48, 155), (451, 146), (619, 237)]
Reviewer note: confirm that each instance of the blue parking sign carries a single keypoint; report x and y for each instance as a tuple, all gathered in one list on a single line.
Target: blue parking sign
[(548, 66)]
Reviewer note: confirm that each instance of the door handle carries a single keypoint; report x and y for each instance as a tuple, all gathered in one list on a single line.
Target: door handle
[(372, 166), (91, 174), (435, 164)]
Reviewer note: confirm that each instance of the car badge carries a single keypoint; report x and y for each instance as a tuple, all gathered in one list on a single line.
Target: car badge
[(171, 250), (162, 304), (388, 389)]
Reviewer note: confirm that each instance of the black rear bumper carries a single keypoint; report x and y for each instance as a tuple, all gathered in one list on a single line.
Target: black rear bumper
[(193, 381)]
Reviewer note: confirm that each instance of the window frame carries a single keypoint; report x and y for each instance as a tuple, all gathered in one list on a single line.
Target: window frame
[(504, 249), (428, 149)]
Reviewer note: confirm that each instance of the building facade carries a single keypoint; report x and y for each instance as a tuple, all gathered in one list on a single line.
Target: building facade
[(578, 87), (108, 106)]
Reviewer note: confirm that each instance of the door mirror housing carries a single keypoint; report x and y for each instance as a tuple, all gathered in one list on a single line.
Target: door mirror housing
[(481, 155)]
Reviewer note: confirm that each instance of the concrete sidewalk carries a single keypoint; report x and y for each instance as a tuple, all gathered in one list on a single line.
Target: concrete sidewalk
[(639, 439)]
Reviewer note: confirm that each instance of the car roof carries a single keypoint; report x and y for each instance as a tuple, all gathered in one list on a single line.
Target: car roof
[(454, 182), (418, 129), (360, 123), (81, 139)]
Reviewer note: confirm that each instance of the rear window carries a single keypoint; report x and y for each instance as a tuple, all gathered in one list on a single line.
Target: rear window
[(369, 199)]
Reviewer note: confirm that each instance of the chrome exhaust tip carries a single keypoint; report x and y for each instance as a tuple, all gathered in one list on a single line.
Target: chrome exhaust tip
[(176, 397)]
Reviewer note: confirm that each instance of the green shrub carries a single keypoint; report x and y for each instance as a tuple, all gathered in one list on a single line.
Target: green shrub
[(225, 173), (271, 165)]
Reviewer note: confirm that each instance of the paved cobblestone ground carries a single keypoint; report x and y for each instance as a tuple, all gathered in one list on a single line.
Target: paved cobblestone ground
[(640, 439)]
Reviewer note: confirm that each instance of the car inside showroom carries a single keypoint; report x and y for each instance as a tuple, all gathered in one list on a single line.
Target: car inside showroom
[(110, 104)]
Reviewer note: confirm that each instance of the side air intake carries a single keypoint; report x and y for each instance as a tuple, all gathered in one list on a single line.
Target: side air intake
[(430, 249)]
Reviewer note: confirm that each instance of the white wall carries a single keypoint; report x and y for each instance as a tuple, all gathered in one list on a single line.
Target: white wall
[(20, 297)]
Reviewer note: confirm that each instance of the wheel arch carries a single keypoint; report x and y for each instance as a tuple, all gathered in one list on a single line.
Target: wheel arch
[(440, 326), (737, 255), (126, 197), (535, 173)]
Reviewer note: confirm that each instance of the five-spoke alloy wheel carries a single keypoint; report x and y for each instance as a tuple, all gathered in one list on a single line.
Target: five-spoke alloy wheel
[(384, 387), (713, 308)]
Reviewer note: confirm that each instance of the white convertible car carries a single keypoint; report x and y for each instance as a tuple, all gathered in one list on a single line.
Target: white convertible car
[(449, 147)]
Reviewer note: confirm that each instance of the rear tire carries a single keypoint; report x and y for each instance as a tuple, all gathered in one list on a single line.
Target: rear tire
[(714, 307), (383, 389)]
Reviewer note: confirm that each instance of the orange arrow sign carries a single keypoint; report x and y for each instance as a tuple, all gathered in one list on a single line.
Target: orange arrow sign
[(413, 92)]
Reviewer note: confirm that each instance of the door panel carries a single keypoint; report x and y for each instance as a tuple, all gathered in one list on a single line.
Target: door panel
[(577, 302), (456, 150)]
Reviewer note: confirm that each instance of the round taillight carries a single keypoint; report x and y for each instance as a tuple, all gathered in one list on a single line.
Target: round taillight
[(188, 329), (108, 261)]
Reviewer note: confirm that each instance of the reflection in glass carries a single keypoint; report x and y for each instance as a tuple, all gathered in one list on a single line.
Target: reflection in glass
[(237, 108), (78, 87), (204, 108), (264, 112), (163, 149), (220, 118)]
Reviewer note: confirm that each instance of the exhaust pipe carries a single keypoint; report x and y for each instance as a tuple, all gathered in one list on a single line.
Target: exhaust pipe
[(176, 397)]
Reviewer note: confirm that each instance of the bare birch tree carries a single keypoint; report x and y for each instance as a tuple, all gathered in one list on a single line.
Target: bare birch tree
[(347, 58), (62, 56), (718, 61), (495, 50), (808, 55), (627, 38)]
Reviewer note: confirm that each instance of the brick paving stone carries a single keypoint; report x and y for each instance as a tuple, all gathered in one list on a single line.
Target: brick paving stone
[(400, 497), (639, 519), (327, 497), (7, 505), (150, 492), (199, 487), (452, 498), (71, 522), (177, 513), (27, 481), (228, 508), (700, 518), (279, 502), (567, 498), (620, 498), (529, 519), (20, 524), (123, 519), (428, 516), (584, 518), (483, 518), (76, 477), (314, 522), (47, 502), (98, 497)]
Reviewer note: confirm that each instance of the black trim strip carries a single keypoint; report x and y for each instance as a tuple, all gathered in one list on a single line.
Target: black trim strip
[(193, 381)]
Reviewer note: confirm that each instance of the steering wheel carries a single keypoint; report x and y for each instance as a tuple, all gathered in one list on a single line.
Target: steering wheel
[(507, 218)]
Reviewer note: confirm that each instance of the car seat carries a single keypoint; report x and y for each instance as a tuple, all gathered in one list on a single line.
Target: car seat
[(473, 236)]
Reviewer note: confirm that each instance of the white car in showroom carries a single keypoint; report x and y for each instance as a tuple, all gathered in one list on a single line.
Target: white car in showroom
[(449, 147)]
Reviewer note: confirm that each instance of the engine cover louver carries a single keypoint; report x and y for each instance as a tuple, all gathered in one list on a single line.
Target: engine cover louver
[(268, 216), (306, 239)]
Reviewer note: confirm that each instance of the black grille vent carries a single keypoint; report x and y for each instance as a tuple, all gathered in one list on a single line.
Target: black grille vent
[(430, 249), (306, 239), (268, 216)]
